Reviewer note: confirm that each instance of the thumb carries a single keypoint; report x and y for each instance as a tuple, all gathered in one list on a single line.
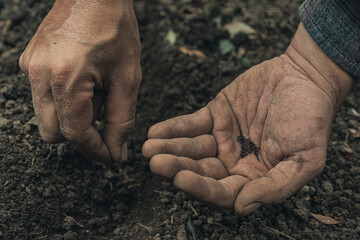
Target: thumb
[(120, 106), (283, 180)]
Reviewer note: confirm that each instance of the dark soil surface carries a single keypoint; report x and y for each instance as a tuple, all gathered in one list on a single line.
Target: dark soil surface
[(50, 191)]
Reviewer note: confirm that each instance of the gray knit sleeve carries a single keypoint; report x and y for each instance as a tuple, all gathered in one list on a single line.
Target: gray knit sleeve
[(335, 27)]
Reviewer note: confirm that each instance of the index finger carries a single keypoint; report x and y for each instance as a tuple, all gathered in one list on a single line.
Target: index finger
[(216, 193), (74, 107), (189, 125)]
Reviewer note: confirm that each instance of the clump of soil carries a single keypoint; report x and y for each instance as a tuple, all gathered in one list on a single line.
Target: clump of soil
[(50, 191)]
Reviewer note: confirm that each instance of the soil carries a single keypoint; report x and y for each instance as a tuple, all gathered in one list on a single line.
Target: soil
[(50, 191)]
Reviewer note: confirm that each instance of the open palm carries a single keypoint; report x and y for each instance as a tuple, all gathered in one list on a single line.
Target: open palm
[(261, 139)]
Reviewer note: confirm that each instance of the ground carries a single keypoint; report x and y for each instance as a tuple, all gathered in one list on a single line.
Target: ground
[(50, 191)]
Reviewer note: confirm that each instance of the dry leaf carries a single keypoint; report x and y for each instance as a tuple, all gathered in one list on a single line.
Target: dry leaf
[(345, 149), (241, 52), (192, 52), (325, 219), (356, 135), (354, 112), (239, 27), (352, 131), (226, 46)]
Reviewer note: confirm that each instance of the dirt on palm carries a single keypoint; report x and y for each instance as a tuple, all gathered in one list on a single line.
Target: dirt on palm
[(50, 191)]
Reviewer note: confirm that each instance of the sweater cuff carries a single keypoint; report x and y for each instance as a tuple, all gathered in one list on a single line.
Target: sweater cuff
[(335, 26)]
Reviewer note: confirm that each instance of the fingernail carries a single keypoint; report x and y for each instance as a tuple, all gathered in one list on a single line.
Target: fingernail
[(251, 207), (124, 154)]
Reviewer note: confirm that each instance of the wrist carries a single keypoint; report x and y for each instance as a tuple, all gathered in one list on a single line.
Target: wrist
[(90, 22), (318, 67), (97, 8)]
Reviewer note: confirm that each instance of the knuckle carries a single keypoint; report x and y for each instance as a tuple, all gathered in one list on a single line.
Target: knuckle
[(37, 68), (62, 69), (22, 63), (34, 71), (70, 134), (127, 126), (60, 73)]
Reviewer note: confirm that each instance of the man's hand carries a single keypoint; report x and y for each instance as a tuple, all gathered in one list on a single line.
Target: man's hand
[(261, 139), (84, 55)]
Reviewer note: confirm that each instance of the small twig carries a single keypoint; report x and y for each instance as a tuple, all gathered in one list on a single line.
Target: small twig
[(173, 209), (172, 218), (222, 226), (193, 209), (127, 181), (149, 229), (42, 237), (134, 185), (279, 233), (69, 218), (50, 152)]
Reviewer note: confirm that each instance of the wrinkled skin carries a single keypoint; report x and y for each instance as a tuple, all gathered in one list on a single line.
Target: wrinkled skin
[(283, 105), (84, 57), (283, 112)]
